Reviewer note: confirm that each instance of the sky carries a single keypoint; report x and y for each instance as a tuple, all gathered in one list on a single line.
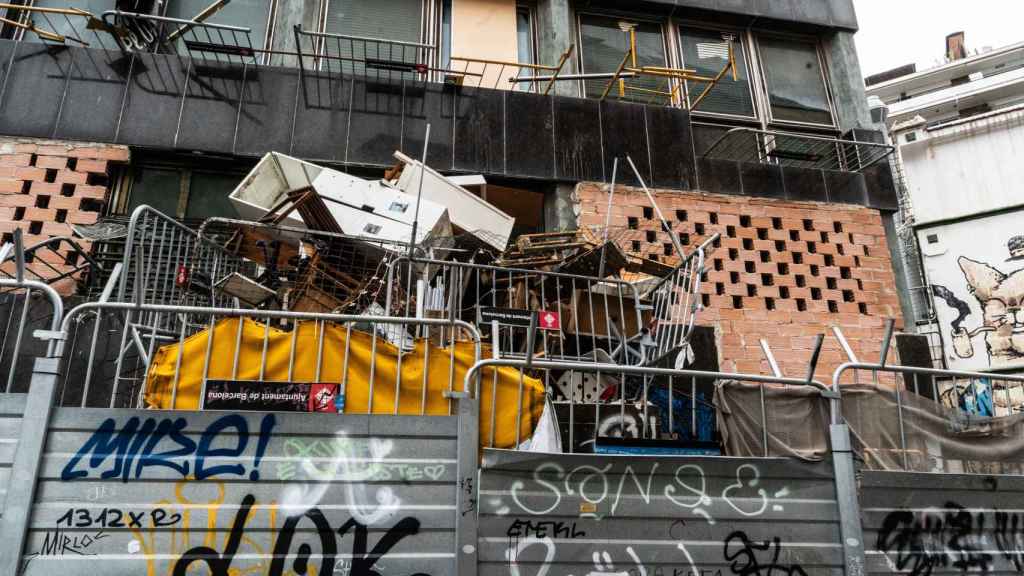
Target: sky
[(897, 32)]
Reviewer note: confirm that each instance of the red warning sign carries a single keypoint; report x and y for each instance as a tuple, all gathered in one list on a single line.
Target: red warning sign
[(548, 320), (181, 278)]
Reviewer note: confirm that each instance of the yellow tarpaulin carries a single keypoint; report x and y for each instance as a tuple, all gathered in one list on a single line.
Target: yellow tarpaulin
[(279, 349)]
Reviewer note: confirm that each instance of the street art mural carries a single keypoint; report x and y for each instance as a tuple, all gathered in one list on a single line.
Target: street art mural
[(222, 494), (975, 273)]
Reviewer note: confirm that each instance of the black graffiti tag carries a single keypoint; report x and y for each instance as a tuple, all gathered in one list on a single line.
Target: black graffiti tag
[(949, 537), (743, 554), (219, 563)]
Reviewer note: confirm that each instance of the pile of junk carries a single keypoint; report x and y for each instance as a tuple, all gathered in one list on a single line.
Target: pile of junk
[(416, 245)]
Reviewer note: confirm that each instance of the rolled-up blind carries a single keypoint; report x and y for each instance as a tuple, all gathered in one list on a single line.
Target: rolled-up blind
[(381, 19)]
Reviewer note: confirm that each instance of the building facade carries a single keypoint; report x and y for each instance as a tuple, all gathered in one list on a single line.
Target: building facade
[(767, 159), (956, 128)]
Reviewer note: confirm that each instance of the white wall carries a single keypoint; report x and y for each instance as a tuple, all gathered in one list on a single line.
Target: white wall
[(967, 168), (995, 343)]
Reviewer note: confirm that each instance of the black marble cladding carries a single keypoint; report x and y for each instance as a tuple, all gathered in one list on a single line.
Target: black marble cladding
[(165, 101)]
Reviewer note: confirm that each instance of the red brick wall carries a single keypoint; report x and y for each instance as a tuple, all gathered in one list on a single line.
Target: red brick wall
[(784, 271), (46, 186)]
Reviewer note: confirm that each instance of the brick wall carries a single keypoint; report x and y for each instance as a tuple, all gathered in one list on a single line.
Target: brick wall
[(784, 271), (46, 186)]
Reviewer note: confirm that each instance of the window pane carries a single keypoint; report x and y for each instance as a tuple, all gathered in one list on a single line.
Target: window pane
[(208, 195), (157, 188), (250, 14), (383, 19), (70, 26), (796, 87), (524, 37), (604, 46), (705, 52)]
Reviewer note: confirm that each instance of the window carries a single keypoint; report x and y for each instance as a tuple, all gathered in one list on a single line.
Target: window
[(182, 192), (399, 20), (706, 53), (252, 14), (603, 44), (795, 81), (526, 44)]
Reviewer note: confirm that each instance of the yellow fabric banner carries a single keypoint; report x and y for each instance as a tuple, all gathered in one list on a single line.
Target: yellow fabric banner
[(442, 367)]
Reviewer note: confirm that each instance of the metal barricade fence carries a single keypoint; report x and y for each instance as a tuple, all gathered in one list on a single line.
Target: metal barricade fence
[(676, 301), (132, 361), (600, 319), (974, 395), (648, 377), (17, 295)]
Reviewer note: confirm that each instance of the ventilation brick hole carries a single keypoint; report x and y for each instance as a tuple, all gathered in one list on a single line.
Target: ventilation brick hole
[(42, 201), (769, 303), (812, 248), (780, 246), (798, 258), (705, 300), (860, 284), (829, 260), (847, 295), (648, 213), (830, 283), (751, 290), (33, 159), (765, 256), (667, 248), (90, 205), (684, 238), (856, 261), (844, 273), (632, 222), (737, 302), (713, 217), (72, 163), (833, 307), (801, 305), (704, 276), (837, 227), (748, 266), (651, 235), (866, 251), (719, 288), (51, 175), (35, 228), (840, 249), (7, 238), (717, 243), (30, 257), (777, 223), (730, 231), (698, 228), (762, 233), (681, 215), (801, 280), (636, 246), (815, 293), (718, 264), (849, 237), (71, 258), (95, 179), (26, 185), (654, 257), (19, 213), (62, 216), (767, 279), (808, 225), (734, 254), (862, 308), (67, 189), (794, 235), (784, 292), (734, 277), (783, 269), (745, 221), (814, 270), (748, 244), (824, 237)]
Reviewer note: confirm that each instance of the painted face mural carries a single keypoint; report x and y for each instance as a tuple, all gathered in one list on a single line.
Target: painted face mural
[(1001, 297)]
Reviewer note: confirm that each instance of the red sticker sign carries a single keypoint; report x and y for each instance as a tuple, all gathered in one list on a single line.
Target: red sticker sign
[(548, 320)]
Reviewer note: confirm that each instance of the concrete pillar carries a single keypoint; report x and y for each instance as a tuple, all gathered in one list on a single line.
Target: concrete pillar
[(555, 31), (847, 82), (289, 14), (561, 208)]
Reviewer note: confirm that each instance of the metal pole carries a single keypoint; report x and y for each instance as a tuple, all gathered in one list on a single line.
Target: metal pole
[(419, 194), (664, 223), (608, 216)]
